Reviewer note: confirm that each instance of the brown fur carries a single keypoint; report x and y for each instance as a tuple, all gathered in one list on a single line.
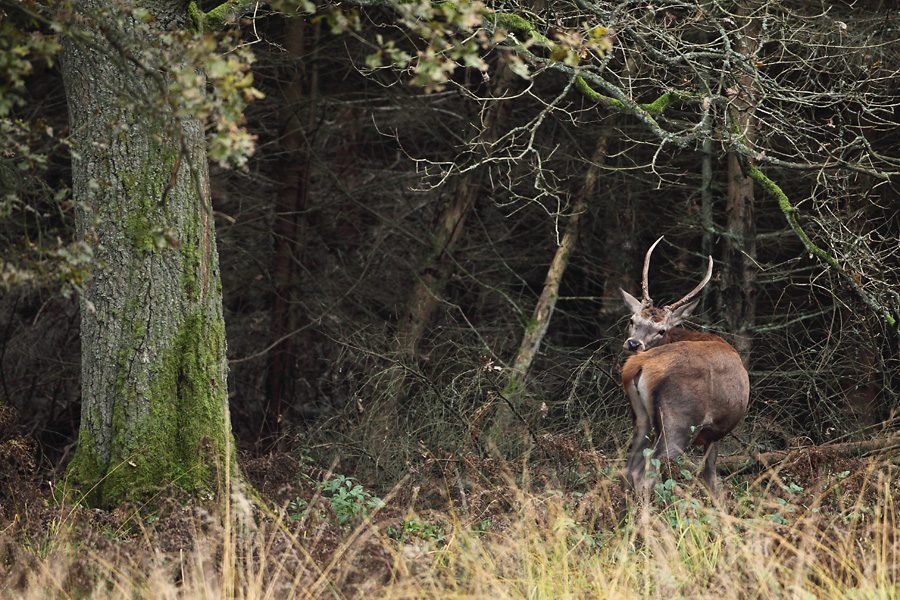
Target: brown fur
[(680, 334), (689, 392)]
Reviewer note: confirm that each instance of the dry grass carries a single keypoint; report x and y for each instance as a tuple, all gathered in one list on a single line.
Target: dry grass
[(829, 534)]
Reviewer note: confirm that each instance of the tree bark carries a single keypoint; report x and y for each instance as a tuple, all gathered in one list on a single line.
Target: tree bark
[(154, 392), (739, 288), (706, 213), (432, 278), (290, 231)]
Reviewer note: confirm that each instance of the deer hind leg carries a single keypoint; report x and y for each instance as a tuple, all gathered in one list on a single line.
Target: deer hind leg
[(709, 467), (635, 464), (641, 439), (670, 443)]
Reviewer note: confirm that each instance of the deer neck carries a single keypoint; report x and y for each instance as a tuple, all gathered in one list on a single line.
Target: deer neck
[(680, 334)]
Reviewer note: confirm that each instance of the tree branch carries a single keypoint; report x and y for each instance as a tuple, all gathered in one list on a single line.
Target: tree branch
[(766, 460)]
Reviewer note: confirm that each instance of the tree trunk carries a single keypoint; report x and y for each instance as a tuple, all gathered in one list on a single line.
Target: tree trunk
[(706, 213), (290, 231), (739, 288), (739, 285), (540, 320), (435, 272), (154, 394), (432, 277)]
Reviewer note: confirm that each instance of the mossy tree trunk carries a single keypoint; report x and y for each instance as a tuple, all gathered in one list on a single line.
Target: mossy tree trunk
[(154, 394)]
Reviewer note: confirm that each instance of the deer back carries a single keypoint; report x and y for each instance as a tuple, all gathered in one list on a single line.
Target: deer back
[(698, 383)]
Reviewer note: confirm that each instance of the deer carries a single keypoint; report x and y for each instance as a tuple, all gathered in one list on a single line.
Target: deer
[(686, 388)]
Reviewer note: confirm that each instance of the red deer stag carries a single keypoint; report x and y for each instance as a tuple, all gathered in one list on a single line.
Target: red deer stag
[(685, 387)]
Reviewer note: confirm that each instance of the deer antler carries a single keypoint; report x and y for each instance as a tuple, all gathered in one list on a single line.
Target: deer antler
[(645, 285), (694, 291)]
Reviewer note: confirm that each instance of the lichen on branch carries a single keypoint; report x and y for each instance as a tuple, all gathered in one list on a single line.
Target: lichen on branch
[(217, 18), (791, 214)]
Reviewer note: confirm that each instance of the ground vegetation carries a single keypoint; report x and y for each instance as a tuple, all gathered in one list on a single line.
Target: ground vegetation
[(376, 248)]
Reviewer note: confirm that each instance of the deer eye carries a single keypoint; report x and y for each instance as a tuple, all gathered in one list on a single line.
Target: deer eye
[(661, 332)]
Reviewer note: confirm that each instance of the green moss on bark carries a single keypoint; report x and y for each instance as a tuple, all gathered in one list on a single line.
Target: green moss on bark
[(184, 439), (217, 18), (85, 473), (146, 211), (154, 386), (513, 22), (196, 20)]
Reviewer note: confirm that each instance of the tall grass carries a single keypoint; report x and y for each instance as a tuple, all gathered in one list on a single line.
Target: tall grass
[(835, 537)]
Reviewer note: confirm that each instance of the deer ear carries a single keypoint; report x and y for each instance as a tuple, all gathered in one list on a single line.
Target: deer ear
[(680, 314), (633, 304)]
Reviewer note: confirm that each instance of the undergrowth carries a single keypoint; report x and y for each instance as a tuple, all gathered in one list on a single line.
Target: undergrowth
[(831, 533)]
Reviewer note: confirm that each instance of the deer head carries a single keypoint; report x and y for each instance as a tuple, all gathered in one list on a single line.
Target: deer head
[(651, 326)]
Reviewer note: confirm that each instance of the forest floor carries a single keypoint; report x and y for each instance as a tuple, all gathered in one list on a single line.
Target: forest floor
[(817, 526)]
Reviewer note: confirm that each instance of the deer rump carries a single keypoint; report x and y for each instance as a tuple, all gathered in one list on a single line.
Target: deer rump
[(682, 394)]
